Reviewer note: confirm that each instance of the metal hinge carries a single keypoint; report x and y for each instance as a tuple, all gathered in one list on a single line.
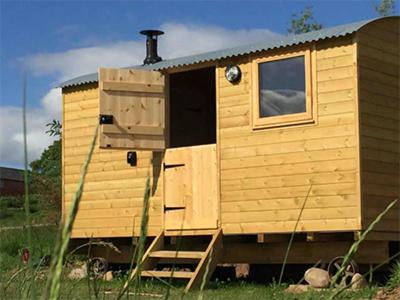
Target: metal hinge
[(173, 166), (173, 208)]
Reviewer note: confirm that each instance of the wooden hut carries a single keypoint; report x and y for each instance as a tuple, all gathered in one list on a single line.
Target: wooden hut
[(236, 142)]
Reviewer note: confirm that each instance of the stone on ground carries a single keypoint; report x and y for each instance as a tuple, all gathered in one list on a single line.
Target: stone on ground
[(78, 272), (108, 276), (358, 281), (317, 278), (298, 288), (242, 270)]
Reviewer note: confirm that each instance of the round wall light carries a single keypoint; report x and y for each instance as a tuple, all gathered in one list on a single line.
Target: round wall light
[(233, 74)]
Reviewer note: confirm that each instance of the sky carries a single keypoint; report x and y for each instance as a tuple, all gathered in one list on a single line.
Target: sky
[(53, 41)]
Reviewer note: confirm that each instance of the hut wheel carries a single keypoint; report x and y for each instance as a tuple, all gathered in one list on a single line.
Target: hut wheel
[(350, 270), (98, 266)]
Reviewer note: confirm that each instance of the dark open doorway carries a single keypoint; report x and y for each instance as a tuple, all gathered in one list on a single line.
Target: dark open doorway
[(192, 108)]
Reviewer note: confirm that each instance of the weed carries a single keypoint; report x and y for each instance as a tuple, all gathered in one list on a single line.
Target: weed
[(292, 236), (53, 289), (394, 280)]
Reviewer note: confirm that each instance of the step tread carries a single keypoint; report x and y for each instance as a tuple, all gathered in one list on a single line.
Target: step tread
[(175, 254), (175, 274)]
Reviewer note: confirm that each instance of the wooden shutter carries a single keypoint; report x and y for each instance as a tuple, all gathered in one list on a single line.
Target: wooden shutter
[(132, 109)]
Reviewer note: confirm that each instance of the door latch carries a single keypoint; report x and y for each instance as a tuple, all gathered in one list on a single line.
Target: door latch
[(106, 119), (131, 158)]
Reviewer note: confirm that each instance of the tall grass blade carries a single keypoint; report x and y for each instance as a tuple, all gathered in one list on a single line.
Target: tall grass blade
[(88, 268), (54, 280), (132, 257), (354, 248), (292, 237), (143, 235), (341, 290), (26, 182), (204, 279), (135, 276)]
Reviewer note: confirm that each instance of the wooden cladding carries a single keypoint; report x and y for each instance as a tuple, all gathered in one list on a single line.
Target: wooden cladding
[(379, 101), (266, 174), (135, 99)]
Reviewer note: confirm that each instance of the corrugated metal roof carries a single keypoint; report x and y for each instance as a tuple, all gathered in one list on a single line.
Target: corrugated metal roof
[(270, 44)]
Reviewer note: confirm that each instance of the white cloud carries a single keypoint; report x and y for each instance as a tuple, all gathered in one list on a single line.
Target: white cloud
[(11, 134), (179, 40), (51, 103)]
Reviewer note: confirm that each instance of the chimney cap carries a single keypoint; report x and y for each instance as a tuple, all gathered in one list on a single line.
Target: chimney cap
[(151, 32)]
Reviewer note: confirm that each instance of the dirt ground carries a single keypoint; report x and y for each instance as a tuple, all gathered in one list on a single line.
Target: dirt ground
[(388, 295)]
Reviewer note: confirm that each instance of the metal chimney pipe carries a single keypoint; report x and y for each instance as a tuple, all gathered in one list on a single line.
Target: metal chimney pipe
[(151, 46)]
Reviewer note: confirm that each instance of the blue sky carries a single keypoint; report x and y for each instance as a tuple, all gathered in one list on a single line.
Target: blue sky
[(54, 40)]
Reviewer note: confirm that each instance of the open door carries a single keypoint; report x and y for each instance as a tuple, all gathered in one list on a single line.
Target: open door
[(132, 109)]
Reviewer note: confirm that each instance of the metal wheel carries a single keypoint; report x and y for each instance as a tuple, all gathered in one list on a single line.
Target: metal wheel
[(98, 266), (335, 265)]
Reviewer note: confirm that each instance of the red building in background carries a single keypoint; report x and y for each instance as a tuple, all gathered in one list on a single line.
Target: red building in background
[(11, 182)]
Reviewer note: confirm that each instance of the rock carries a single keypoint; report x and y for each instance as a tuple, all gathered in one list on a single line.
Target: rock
[(298, 288), (317, 277), (242, 270), (78, 273), (358, 281), (108, 276), (380, 294)]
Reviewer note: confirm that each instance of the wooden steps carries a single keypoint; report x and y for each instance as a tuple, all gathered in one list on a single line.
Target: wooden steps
[(161, 274), (177, 254), (204, 262)]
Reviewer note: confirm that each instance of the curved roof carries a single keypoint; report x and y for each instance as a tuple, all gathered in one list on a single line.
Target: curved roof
[(286, 41)]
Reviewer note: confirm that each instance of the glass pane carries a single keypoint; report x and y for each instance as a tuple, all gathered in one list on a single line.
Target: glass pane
[(282, 87)]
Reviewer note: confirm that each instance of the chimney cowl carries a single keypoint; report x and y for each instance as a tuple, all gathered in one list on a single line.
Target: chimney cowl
[(151, 46)]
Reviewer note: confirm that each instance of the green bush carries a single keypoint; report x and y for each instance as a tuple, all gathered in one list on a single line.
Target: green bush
[(45, 177), (9, 205)]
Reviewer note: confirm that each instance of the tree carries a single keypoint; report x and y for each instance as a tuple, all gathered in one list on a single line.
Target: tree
[(46, 171), (385, 8), (55, 128), (304, 22)]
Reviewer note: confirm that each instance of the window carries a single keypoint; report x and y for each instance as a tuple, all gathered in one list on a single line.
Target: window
[(282, 90)]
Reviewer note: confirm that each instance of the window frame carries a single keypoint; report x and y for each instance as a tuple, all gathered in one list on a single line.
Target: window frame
[(288, 119)]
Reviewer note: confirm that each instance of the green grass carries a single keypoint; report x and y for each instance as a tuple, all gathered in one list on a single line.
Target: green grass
[(394, 280), (12, 211), (13, 241), (78, 290)]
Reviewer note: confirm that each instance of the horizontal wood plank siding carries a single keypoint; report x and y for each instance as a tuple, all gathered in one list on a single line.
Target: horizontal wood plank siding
[(379, 93), (266, 174), (112, 199)]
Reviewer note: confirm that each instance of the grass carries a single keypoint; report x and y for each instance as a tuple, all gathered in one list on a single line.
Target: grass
[(12, 211), (13, 241), (238, 290), (60, 249), (354, 248), (394, 280)]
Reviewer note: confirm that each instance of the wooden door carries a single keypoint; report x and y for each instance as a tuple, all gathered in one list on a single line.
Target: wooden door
[(132, 109), (191, 188)]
